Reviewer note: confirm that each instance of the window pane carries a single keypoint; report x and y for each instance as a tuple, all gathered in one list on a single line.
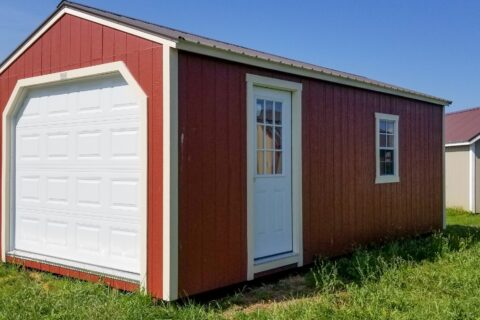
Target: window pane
[(269, 111), (278, 138), (260, 134), (390, 142), (383, 140), (260, 110), (382, 168), (269, 137), (278, 113), (388, 168), (260, 158), (268, 162), (388, 156), (386, 162), (383, 126), (278, 162), (390, 126)]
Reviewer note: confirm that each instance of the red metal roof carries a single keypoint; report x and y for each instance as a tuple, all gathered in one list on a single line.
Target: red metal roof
[(462, 126)]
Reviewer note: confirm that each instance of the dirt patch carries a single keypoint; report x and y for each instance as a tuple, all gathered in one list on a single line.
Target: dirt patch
[(286, 291)]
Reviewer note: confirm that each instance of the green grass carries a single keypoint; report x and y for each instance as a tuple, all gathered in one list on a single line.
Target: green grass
[(433, 277)]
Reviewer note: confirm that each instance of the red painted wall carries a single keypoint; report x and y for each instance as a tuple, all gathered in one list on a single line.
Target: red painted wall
[(342, 205), (74, 43)]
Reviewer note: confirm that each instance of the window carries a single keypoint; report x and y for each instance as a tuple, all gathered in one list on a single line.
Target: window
[(386, 137), (269, 137)]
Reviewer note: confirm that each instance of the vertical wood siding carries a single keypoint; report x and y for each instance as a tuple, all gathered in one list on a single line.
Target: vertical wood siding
[(342, 205), (73, 43)]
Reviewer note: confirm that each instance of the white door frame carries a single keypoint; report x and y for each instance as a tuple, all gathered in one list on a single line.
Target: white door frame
[(8, 156), (297, 229)]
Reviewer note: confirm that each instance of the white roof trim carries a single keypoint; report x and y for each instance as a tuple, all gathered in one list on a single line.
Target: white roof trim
[(459, 144), (104, 22), (467, 143), (261, 62)]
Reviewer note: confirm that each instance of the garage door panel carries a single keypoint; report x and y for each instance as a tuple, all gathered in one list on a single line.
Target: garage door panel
[(78, 174), (113, 143), (77, 192), (94, 99)]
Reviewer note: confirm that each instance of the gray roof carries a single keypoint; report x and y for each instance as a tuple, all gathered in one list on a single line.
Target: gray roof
[(181, 36)]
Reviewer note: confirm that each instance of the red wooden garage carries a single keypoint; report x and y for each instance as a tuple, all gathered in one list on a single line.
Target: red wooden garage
[(157, 159)]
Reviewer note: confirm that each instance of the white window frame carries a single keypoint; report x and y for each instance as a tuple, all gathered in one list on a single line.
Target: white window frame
[(396, 165)]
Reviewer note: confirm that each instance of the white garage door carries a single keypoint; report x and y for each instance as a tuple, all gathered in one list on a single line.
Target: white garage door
[(77, 192)]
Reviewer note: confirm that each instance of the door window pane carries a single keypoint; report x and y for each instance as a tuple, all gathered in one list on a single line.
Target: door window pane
[(278, 113), (268, 162), (269, 138), (278, 163), (269, 111), (278, 138), (269, 135), (260, 110), (260, 162), (260, 136)]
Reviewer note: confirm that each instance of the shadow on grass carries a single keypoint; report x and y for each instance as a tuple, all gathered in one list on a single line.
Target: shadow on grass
[(333, 275)]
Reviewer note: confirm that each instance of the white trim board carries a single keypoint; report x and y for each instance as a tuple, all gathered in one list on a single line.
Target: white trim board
[(459, 144), (297, 225), (472, 173), (170, 174), (444, 199), (18, 94), (80, 14)]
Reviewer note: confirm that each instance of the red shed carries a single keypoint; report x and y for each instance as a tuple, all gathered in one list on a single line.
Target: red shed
[(159, 159)]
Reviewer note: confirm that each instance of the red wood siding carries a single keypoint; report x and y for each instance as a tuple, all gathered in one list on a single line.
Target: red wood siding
[(342, 205), (73, 43)]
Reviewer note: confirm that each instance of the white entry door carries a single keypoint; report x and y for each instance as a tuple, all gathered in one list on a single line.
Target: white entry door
[(273, 173), (78, 175)]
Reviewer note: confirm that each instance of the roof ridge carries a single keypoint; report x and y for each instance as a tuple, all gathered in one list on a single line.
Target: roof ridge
[(463, 110)]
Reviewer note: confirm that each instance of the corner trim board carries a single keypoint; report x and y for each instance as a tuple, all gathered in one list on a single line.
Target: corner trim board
[(170, 173), (472, 173), (444, 198)]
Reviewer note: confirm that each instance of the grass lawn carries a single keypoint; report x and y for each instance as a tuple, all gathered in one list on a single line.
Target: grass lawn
[(434, 277)]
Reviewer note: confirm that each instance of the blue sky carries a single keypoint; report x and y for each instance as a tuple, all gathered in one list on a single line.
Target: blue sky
[(430, 46)]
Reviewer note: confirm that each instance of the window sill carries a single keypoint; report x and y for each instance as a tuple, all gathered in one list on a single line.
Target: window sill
[(387, 179)]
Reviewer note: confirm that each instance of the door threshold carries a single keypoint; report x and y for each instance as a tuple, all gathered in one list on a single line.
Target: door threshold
[(274, 262)]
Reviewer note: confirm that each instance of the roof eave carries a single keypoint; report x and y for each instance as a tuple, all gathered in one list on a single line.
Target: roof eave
[(278, 65), (473, 140)]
